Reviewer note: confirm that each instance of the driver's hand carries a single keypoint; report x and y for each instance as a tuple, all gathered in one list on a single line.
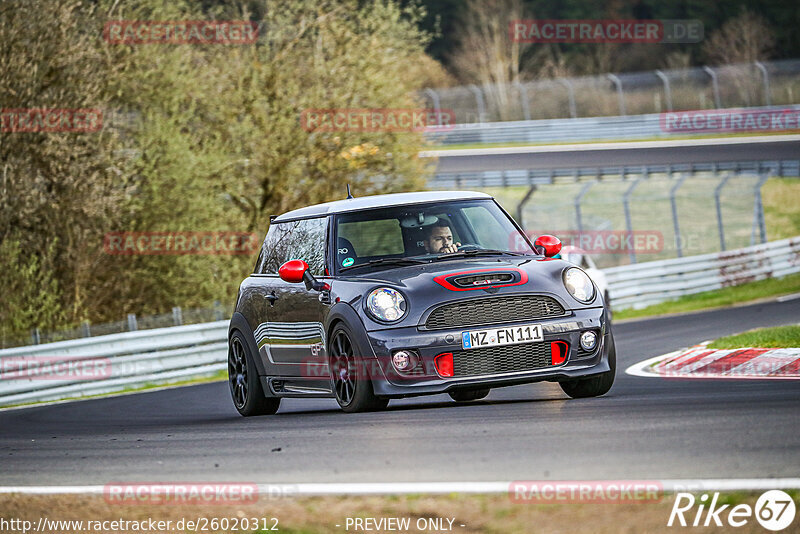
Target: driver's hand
[(452, 248)]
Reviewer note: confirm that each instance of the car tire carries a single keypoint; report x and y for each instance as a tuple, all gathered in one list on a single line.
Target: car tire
[(596, 385), (351, 379), (467, 396), (246, 391)]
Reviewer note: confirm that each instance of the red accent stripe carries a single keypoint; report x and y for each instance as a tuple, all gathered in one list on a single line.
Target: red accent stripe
[(726, 363)]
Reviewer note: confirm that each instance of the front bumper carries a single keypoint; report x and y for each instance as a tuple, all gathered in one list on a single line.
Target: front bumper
[(429, 343)]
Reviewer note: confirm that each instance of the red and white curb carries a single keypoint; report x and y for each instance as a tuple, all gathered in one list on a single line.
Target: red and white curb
[(701, 362)]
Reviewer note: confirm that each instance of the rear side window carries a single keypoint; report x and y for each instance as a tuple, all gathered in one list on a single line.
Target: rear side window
[(296, 240)]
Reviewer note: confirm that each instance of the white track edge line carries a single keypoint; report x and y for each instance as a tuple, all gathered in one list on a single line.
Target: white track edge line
[(391, 488)]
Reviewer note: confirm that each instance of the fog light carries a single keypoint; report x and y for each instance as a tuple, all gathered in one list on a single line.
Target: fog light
[(588, 340), (402, 360), (444, 364)]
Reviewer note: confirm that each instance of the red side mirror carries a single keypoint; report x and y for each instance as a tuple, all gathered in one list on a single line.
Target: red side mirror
[(292, 271), (550, 244)]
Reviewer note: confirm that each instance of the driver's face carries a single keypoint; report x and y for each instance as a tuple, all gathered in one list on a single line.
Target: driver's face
[(440, 240)]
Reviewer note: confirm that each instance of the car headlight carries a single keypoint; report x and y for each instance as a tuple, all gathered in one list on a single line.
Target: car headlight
[(579, 285), (386, 304)]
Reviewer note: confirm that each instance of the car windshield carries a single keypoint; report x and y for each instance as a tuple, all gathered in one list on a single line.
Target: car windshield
[(405, 235)]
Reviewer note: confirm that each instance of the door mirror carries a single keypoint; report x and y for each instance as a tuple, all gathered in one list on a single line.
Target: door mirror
[(292, 271), (549, 245)]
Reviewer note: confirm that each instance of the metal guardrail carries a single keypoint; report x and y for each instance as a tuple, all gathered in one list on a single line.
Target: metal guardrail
[(640, 285), (112, 363), (627, 127)]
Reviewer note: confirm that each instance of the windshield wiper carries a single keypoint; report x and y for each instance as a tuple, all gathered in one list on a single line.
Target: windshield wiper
[(385, 261), (480, 252)]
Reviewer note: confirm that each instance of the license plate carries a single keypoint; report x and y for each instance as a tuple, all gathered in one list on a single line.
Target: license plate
[(494, 337)]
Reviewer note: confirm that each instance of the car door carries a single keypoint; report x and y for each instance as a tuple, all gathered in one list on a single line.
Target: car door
[(295, 331)]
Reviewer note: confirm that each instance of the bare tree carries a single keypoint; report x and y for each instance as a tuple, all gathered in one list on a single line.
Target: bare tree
[(744, 39), (486, 54)]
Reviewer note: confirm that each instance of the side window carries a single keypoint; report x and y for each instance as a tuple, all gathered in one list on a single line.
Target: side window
[(297, 240)]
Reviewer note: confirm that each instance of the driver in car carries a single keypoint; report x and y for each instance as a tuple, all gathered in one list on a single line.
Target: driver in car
[(439, 238)]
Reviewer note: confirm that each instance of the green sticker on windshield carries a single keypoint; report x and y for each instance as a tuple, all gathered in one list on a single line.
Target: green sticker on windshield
[(347, 262)]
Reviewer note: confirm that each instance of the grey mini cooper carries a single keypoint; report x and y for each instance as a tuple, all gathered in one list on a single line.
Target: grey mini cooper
[(368, 299)]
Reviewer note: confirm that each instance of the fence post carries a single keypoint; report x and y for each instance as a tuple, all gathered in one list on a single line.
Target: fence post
[(436, 105), (132, 322), (626, 203), (767, 98), (521, 205), (577, 202), (758, 211), (87, 332), (674, 205), (36, 336), (218, 315), (523, 98), (720, 225), (667, 91), (714, 85), (478, 100), (177, 316), (573, 109), (614, 78)]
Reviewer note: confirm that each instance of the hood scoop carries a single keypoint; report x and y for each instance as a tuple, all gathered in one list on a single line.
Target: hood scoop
[(482, 279)]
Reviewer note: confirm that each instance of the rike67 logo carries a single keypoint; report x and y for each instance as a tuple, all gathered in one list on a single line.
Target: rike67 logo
[(774, 510)]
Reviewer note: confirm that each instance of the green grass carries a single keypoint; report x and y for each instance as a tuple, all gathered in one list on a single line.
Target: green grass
[(771, 338), (719, 298)]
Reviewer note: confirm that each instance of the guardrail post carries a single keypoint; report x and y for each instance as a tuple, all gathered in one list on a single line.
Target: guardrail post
[(177, 316), (478, 100), (87, 332), (523, 98), (675, 222), (132, 322), (714, 85), (626, 203), (667, 91), (573, 109), (767, 98), (758, 211), (720, 225), (436, 104), (614, 78), (577, 202), (36, 336)]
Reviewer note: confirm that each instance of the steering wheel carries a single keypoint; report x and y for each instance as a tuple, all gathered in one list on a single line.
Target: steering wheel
[(469, 246)]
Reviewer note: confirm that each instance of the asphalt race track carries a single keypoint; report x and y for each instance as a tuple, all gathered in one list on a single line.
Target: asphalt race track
[(633, 153), (645, 428)]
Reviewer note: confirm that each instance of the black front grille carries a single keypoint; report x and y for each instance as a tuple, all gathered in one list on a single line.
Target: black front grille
[(476, 312), (506, 359)]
